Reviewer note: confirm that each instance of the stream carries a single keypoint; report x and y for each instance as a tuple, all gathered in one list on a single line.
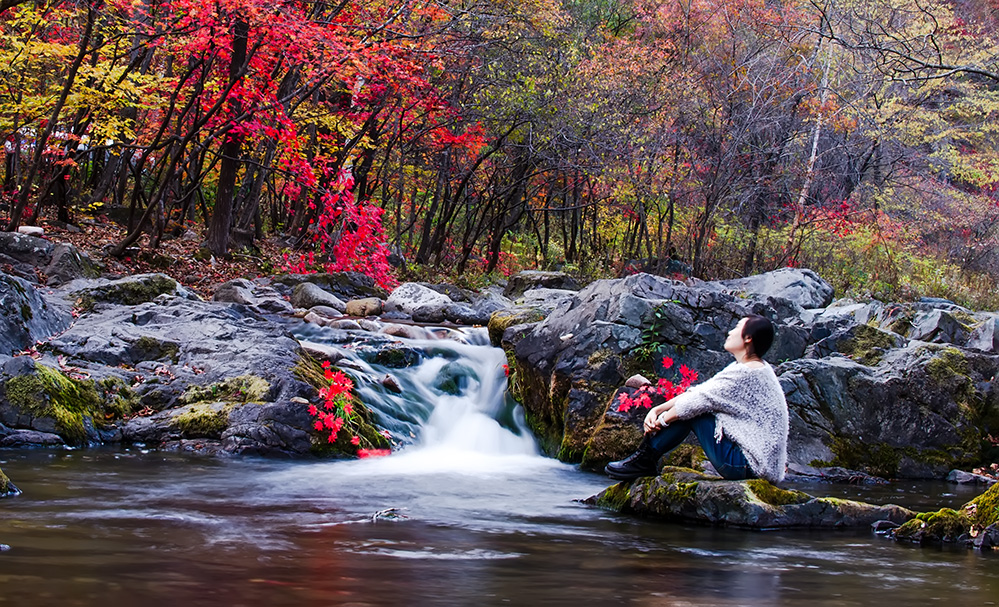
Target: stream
[(467, 512)]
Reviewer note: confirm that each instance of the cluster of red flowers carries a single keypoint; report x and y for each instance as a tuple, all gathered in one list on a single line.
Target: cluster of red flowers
[(338, 412), (664, 388)]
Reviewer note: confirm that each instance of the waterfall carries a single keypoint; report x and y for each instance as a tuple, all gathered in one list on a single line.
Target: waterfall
[(452, 410)]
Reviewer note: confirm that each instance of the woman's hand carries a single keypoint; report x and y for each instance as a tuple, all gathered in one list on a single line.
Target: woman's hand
[(651, 423)]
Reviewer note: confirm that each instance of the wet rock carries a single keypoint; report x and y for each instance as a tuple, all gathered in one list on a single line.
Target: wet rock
[(534, 279), (987, 539), (7, 489), (326, 312), (31, 438), (345, 325), (316, 319), (967, 478), (391, 384), (368, 306), (25, 317), (637, 381), (405, 331), (421, 303), (684, 495), (464, 314), (307, 295)]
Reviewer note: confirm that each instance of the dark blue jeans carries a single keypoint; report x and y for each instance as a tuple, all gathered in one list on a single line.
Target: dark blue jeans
[(726, 456)]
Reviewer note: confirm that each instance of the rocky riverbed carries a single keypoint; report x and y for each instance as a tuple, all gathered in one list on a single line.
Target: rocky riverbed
[(875, 390)]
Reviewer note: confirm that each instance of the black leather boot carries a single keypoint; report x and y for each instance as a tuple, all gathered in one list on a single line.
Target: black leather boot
[(640, 463)]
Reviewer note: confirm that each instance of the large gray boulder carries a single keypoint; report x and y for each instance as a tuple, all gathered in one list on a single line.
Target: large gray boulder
[(919, 414), (421, 303), (25, 317), (686, 496), (803, 287), (34, 258)]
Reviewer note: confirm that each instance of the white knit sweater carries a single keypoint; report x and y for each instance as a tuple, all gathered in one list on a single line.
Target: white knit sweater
[(749, 408)]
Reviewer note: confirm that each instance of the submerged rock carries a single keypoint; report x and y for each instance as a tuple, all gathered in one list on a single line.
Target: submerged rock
[(684, 495)]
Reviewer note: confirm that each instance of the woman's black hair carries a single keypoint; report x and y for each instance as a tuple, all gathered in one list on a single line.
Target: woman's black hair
[(761, 331)]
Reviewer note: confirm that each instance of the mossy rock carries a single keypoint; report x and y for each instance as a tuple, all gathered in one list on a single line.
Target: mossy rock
[(202, 420), (72, 404), (984, 509), (944, 525), (130, 291), (767, 493), (7, 488), (501, 320), (948, 366), (242, 389), (150, 348), (879, 459), (685, 495), (868, 344), (948, 525)]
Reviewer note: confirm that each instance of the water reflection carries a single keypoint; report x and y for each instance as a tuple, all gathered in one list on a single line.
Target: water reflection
[(125, 528)]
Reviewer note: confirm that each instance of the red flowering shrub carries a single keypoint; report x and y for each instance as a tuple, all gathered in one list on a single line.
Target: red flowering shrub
[(337, 412), (664, 388)]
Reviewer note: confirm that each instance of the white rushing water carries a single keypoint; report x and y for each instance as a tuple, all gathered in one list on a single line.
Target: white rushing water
[(453, 413)]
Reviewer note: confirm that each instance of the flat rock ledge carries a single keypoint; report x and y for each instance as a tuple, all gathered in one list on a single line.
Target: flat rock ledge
[(685, 495)]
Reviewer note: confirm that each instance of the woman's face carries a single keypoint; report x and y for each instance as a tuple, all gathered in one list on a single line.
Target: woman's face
[(736, 343)]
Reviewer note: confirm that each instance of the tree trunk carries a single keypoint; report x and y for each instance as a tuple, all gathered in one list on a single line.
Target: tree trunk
[(217, 240)]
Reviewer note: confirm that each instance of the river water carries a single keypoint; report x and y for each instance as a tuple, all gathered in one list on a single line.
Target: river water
[(466, 513)]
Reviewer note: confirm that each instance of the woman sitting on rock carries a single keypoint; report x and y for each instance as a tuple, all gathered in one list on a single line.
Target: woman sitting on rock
[(739, 416)]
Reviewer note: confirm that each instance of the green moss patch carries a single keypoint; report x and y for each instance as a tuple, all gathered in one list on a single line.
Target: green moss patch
[(49, 393), (686, 456), (242, 389), (868, 345), (203, 420), (129, 292), (501, 320), (150, 348), (984, 509), (879, 459), (615, 497), (6, 487), (767, 493), (944, 525)]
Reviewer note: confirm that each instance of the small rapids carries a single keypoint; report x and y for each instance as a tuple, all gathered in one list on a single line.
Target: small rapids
[(451, 410)]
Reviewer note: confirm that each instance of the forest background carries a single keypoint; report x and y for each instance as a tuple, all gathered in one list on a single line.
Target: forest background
[(706, 138)]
